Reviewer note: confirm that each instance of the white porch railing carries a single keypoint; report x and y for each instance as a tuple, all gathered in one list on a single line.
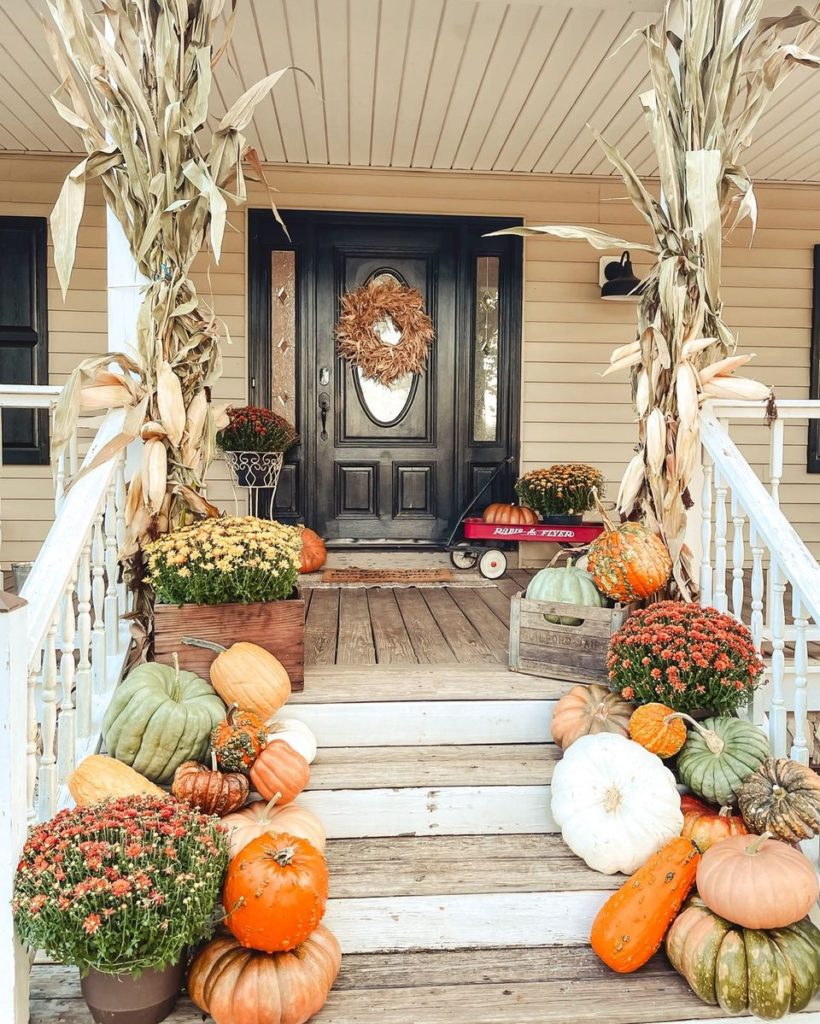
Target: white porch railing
[(754, 564)]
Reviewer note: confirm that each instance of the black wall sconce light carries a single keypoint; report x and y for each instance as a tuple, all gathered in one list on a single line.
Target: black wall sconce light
[(618, 280)]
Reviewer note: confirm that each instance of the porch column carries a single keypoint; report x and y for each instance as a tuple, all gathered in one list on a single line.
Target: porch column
[(124, 284)]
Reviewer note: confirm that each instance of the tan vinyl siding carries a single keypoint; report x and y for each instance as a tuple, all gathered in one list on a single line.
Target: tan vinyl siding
[(568, 411)]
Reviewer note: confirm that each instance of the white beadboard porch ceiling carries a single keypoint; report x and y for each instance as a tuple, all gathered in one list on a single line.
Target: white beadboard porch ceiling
[(485, 85)]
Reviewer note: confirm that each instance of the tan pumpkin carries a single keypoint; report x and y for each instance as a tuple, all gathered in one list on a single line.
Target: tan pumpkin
[(281, 770), (236, 985), (98, 778), (260, 818), (782, 797), (587, 710), (657, 728), (210, 790), (314, 552), (509, 515), (248, 675), (757, 882)]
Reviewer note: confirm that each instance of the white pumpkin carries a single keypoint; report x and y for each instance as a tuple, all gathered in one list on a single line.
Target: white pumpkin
[(616, 803), (296, 733)]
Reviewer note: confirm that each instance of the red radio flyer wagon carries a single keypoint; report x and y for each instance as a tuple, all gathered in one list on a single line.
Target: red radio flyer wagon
[(477, 547)]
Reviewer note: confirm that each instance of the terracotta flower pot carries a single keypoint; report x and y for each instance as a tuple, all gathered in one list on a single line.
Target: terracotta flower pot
[(125, 999)]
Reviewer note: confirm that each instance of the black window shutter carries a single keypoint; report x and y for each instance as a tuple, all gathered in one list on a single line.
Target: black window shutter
[(24, 333)]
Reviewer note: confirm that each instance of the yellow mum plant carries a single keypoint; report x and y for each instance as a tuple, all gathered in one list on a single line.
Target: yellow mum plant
[(220, 561)]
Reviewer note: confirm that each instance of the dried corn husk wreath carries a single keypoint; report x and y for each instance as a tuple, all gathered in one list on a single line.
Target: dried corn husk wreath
[(359, 342)]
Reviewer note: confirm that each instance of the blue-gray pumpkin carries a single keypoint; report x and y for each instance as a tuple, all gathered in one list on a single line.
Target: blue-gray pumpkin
[(160, 717), (567, 585)]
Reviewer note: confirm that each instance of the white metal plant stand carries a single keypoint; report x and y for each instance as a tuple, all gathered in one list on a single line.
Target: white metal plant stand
[(255, 472)]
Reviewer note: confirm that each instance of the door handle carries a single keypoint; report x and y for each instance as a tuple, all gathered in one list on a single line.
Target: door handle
[(324, 407)]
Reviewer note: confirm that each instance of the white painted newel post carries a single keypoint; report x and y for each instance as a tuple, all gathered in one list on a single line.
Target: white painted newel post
[(14, 962)]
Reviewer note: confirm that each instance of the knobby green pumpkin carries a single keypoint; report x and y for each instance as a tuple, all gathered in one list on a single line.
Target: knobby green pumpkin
[(769, 973), (160, 717), (569, 585), (718, 755)]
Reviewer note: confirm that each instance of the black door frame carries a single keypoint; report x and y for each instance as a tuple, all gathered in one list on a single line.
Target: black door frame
[(475, 460)]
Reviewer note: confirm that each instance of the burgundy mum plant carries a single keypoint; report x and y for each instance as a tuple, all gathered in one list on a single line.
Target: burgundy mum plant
[(252, 429), (684, 656)]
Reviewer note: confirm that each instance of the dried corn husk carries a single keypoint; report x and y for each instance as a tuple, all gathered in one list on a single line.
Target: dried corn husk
[(737, 387), (686, 392), (154, 474), (642, 393), (195, 420), (723, 367), (152, 431), (101, 397), (655, 441), (170, 403), (631, 484)]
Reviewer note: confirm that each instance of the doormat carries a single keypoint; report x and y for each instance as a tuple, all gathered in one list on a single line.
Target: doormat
[(376, 576)]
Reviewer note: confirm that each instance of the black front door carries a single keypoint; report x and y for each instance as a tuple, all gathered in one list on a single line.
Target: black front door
[(380, 463)]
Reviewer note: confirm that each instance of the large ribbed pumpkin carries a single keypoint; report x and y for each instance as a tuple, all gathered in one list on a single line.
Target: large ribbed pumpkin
[(782, 797), (718, 756), (767, 973), (248, 675), (587, 710), (209, 789), (236, 985), (509, 515), (97, 778), (259, 818), (281, 770), (567, 585), (159, 717), (628, 562)]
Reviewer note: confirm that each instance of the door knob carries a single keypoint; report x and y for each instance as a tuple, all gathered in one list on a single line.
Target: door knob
[(324, 406)]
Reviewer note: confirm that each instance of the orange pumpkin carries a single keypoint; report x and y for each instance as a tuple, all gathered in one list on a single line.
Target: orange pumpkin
[(210, 790), (509, 515), (233, 984), (314, 552), (657, 729), (238, 740), (275, 892), (630, 926), (707, 827), (691, 803), (628, 562), (280, 769)]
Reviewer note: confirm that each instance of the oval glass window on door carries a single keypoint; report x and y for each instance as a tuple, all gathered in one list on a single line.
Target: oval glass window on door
[(386, 404)]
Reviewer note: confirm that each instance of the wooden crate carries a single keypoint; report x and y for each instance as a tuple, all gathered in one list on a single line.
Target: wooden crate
[(278, 626), (542, 648)]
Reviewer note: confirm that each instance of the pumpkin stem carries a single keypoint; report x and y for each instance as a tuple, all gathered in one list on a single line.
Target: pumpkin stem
[(176, 689), (214, 766), (270, 805), (605, 520), (754, 847), (208, 645), (284, 856), (715, 744), (229, 716)]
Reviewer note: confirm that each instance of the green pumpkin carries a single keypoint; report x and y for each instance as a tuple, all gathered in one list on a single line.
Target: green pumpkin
[(160, 717), (718, 755), (568, 585), (767, 973)]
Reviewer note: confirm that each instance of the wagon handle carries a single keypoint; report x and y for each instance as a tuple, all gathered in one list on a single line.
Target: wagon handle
[(507, 462)]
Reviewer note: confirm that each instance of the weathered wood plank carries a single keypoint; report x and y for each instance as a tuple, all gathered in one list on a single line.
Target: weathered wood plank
[(498, 603), (389, 632), (427, 639), (355, 645), (321, 628), (527, 764), (467, 645), (424, 811), (422, 723), (414, 866), (344, 683), (485, 622)]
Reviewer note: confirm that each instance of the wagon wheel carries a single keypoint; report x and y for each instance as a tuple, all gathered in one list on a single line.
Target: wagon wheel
[(493, 564), (464, 556)]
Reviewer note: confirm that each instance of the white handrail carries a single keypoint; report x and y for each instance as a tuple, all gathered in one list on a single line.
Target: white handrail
[(787, 409), (28, 396)]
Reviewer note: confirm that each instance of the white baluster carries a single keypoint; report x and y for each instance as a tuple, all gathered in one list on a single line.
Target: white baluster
[(756, 620), (719, 599), (112, 614), (32, 732), (59, 482), (706, 531), (67, 722), (120, 492), (47, 777), (800, 745), (738, 558), (84, 641), (98, 652), (776, 459), (777, 618)]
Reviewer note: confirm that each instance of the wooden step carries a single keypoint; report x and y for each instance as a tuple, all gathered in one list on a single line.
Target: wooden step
[(516, 764), (413, 866), (361, 683), (489, 986)]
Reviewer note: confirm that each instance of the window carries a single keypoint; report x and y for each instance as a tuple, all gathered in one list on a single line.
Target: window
[(813, 453), (485, 350), (24, 333), (283, 333)]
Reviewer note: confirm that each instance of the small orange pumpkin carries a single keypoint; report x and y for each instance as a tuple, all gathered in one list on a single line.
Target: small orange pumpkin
[(280, 769), (658, 729), (314, 552), (509, 515), (691, 803), (644, 907), (705, 828), (238, 740), (275, 892), (628, 562)]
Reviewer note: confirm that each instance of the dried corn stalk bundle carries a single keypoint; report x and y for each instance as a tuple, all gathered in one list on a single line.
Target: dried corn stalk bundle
[(136, 81), (713, 66)]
